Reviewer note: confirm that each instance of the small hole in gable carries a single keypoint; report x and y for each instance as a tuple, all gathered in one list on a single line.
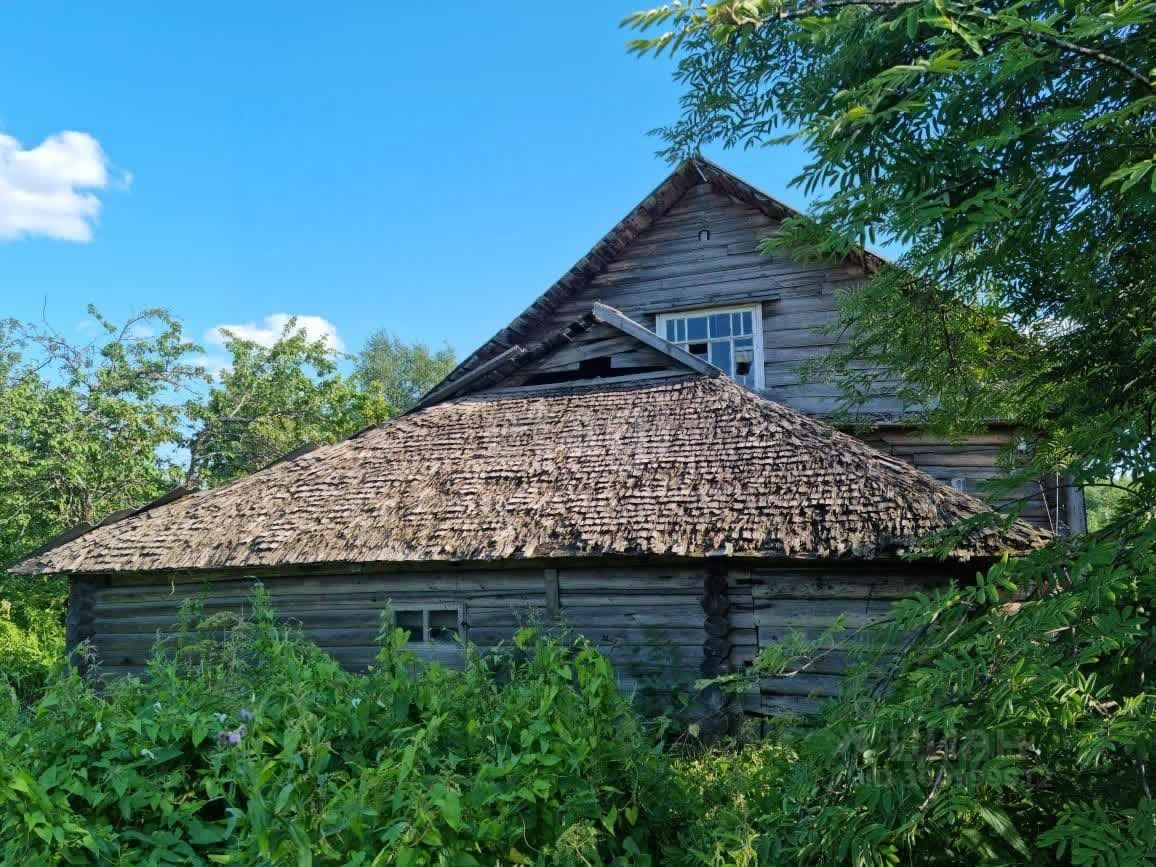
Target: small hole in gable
[(704, 234)]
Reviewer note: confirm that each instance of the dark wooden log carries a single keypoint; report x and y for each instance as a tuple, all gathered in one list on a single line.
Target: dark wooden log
[(553, 599), (715, 606), (717, 626), (719, 647), (716, 583)]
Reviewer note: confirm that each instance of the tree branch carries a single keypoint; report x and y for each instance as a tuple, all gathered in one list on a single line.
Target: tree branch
[(820, 7), (1096, 55)]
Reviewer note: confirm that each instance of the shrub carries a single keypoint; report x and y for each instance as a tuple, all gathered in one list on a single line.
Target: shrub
[(31, 632), (253, 746)]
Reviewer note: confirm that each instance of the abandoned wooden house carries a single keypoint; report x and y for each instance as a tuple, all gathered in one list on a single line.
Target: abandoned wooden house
[(635, 455)]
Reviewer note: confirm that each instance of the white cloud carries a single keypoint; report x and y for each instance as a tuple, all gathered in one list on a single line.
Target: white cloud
[(214, 365), (48, 190), (267, 332)]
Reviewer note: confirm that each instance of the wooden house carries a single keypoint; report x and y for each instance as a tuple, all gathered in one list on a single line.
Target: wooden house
[(635, 455)]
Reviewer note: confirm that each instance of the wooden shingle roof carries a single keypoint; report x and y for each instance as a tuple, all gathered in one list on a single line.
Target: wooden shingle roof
[(691, 466)]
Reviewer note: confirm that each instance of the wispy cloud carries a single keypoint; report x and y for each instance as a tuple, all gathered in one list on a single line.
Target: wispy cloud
[(266, 332), (50, 190), (214, 365)]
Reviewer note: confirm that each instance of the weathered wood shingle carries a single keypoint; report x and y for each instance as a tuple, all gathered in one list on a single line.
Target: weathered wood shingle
[(692, 467)]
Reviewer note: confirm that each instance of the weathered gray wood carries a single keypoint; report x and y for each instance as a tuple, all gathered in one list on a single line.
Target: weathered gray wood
[(662, 626), (610, 316), (553, 602), (449, 389), (637, 377)]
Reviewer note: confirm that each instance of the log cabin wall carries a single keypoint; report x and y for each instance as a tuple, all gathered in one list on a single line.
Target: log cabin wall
[(663, 626), (767, 605), (648, 620), (969, 464)]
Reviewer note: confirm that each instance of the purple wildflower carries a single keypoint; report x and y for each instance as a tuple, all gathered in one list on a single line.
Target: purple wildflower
[(245, 714), (231, 738)]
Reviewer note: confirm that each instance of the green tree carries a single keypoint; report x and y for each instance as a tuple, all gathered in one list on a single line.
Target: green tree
[(90, 429), (1009, 148), (271, 400), (1107, 500), (83, 431), (399, 372)]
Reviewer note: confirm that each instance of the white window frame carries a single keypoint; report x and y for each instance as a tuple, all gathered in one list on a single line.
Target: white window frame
[(425, 608), (756, 311)]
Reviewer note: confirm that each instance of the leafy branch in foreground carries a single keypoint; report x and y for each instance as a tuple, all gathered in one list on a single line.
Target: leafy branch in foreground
[(1007, 147)]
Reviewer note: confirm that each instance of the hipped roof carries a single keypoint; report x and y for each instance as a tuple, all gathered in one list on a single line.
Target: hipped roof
[(692, 466)]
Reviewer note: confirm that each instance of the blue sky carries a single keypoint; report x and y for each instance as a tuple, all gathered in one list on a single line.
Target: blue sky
[(427, 169)]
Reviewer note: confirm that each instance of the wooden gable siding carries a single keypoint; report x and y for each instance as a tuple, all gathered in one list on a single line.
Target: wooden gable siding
[(663, 625), (668, 268)]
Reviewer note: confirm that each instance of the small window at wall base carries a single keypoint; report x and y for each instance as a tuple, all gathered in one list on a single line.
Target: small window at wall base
[(433, 623), (730, 338)]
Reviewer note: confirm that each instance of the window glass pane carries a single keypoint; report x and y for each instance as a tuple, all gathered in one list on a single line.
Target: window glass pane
[(737, 323), (720, 355), (744, 359), (720, 325), (411, 622), (744, 343), (443, 625), (696, 328), (748, 324), (680, 332), (670, 329)]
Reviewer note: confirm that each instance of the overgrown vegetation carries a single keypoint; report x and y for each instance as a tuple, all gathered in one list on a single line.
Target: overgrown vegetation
[(89, 428), (1008, 148), (246, 744)]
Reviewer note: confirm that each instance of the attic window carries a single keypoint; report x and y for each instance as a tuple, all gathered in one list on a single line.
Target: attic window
[(730, 338), (430, 624)]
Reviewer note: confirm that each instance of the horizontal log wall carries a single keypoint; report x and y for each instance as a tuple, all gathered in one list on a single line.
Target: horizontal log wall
[(663, 627), (768, 605), (648, 621), (975, 461), (341, 613)]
